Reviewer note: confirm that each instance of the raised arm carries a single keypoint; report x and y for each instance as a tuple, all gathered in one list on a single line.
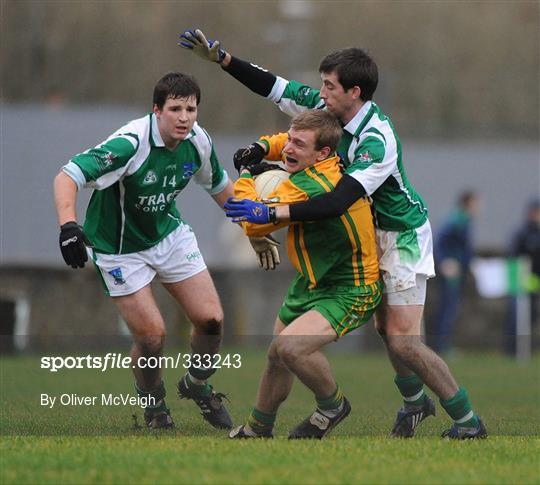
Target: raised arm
[(291, 97), (259, 80)]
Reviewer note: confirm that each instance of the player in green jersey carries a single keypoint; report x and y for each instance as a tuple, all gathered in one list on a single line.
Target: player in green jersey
[(133, 231), (336, 288), (371, 152)]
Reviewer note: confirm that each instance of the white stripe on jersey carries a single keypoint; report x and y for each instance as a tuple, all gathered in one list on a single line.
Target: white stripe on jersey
[(123, 215), (399, 180), (372, 135), (289, 107), (376, 174), (124, 136), (108, 179), (203, 144), (277, 89)]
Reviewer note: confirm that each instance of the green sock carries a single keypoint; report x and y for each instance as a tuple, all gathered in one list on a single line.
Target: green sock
[(202, 390), (412, 390), (460, 410), (334, 401), (261, 423)]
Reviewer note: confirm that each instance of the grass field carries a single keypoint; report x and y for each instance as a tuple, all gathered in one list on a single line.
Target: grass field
[(97, 444)]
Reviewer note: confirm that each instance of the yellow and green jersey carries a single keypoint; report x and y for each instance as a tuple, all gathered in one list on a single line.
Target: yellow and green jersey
[(338, 251)]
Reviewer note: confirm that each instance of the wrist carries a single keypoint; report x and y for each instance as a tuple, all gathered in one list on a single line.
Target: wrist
[(272, 217), (282, 213), (68, 223), (264, 145), (224, 59)]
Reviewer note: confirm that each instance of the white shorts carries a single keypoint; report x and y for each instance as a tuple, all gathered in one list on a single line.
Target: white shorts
[(175, 258), (404, 255), (415, 295)]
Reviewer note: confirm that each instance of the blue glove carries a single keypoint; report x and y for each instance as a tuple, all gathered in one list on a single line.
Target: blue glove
[(248, 210)]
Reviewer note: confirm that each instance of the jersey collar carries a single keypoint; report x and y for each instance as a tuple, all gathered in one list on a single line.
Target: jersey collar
[(155, 135), (357, 124), (326, 163)]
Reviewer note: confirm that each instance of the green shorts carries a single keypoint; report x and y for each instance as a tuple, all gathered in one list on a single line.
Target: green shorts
[(345, 307)]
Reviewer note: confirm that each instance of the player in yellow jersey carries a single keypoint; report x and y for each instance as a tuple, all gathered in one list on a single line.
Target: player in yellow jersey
[(337, 286)]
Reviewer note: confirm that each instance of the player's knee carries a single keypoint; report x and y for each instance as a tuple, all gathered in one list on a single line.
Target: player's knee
[(403, 320), (404, 346), (399, 329), (211, 324), (287, 351), (273, 357)]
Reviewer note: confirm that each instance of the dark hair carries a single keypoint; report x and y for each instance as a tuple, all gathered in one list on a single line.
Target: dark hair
[(326, 127), (354, 67), (175, 85)]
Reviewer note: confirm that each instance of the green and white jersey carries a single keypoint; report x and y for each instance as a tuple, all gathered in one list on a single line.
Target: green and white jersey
[(136, 180), (371, 152)]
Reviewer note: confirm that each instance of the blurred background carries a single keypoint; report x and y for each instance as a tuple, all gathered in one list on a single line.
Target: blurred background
[(460, 81)]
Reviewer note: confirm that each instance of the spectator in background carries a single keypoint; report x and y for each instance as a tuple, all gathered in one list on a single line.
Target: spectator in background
[(526, 243), (453, 253)]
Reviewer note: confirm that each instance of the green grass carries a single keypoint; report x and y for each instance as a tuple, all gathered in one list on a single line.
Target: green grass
[(99, 444)]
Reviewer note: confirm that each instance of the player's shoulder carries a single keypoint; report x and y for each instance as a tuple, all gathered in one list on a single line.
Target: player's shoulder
[(379, 120), (136, 131), (200, 138), (200, 133), (378, 130)]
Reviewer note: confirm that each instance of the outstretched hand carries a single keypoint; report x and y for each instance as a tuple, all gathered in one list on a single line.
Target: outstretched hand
[(207, 49)]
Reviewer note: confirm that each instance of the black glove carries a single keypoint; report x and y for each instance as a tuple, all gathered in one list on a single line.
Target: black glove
[(250, 155), (261, 167), (72, 244)]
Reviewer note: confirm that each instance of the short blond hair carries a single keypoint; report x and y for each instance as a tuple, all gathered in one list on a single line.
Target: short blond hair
[(326, 127)]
